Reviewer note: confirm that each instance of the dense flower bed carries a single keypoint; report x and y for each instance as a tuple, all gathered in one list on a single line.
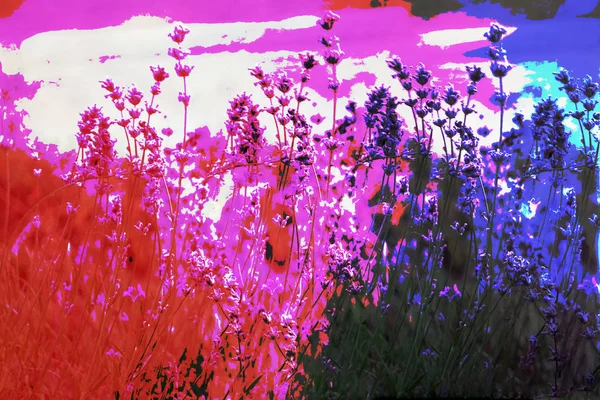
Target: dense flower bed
[(354, 256)]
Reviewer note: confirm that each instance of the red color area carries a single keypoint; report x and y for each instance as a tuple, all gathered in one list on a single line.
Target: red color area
[(58, 297), (47, 277), (8, 7), (279, 238), (341, 4), (23, 196)]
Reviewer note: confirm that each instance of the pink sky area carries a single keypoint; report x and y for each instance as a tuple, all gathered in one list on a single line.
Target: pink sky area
[(35, 16), (362, 32)]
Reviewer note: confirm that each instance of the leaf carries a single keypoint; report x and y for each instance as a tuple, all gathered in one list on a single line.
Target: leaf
[(183, 356), (254, 383)]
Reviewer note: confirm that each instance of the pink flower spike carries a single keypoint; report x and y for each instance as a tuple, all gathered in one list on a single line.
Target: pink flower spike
[(178, 54), (458, 293), (113, 353), (328, 20), (119, 105), (151, 109), (134, 133), (159, 74), (123, 122), (108, 85), (183, 70), (141, 291), (179, 33), (257, 72), (101, 299), (71, 210), (167, 131), (134, 96), (115, 94), (184, 98), (155, 89), (135, 113)]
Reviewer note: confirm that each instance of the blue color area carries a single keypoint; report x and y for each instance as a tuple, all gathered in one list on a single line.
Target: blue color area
[(543, 46), (570, 40)]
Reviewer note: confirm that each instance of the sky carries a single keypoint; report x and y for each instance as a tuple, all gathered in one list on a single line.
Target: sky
[(67, 46)]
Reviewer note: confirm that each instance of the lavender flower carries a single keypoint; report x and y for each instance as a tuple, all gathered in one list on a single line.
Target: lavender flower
[(495, 34)]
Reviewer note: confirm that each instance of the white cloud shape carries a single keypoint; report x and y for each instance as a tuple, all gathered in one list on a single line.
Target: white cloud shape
[(450, 37)]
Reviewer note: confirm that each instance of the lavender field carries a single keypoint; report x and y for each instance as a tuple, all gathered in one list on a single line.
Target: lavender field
[(319, 199)]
